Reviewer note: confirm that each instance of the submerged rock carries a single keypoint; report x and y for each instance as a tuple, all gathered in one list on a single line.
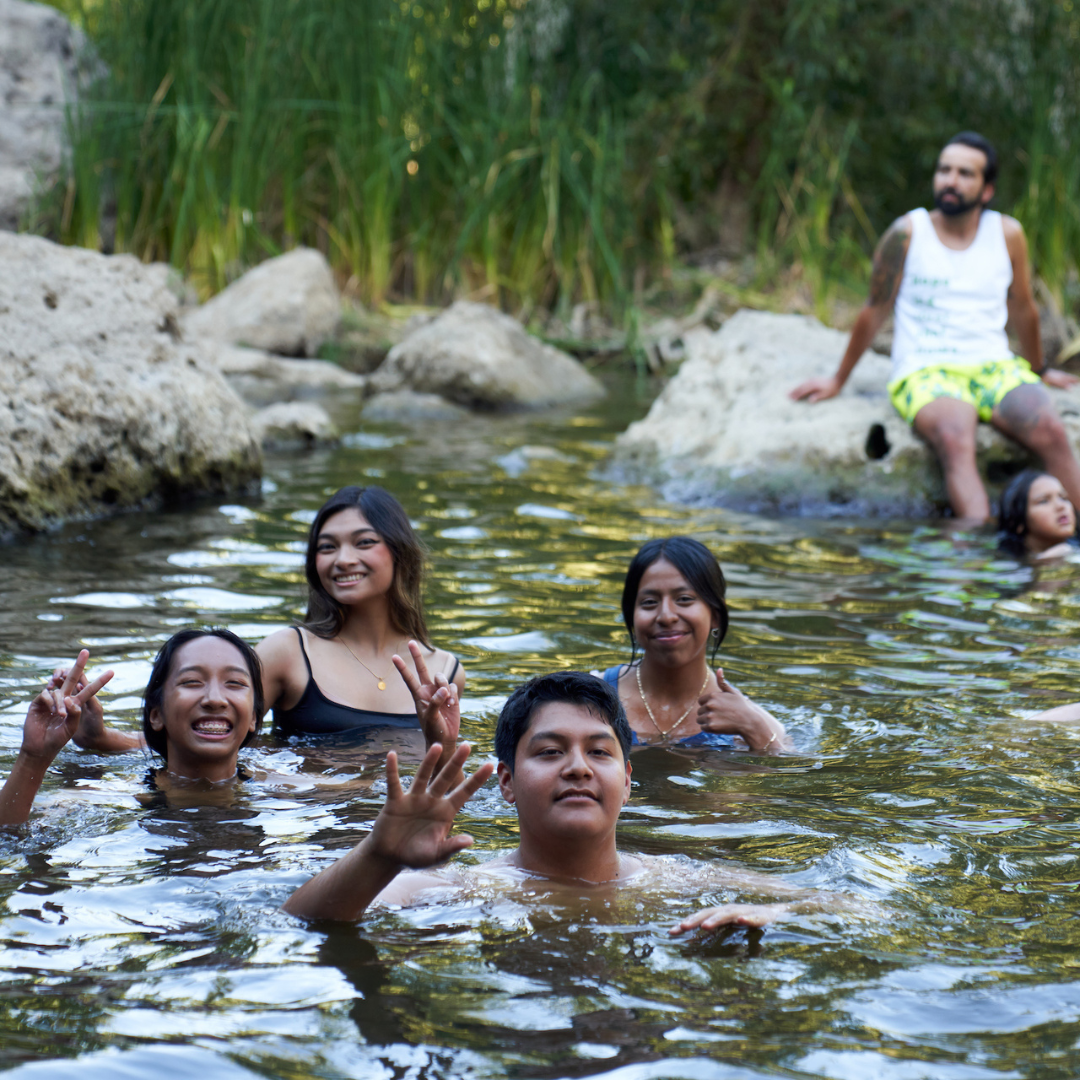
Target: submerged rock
[(406, 406), (262, 378), (476, 356), (101, 405), (294, 423), (39, 59), (288, 305), (725, 432)]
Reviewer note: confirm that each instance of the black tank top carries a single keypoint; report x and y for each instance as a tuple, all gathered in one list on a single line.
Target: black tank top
[(316, 714)]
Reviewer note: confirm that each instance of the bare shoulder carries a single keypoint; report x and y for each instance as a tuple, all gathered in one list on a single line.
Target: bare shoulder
[(440, 661), (278, 645), (1011, 227), (408, 888)]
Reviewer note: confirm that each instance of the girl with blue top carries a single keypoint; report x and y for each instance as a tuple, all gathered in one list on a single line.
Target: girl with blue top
[(674, 610)]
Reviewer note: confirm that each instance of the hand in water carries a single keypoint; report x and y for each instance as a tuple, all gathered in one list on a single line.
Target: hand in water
[(413, 827), (1059, 379), (727, 711), (753, 915), (814, 390), (436, 700), (56, 714)]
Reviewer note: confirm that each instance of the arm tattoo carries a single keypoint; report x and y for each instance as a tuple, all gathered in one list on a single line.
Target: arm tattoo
[(889, 263)]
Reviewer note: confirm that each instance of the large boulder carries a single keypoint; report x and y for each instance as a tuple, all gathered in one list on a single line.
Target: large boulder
[(476, 356), (725, 432), (39, 54), (288, 305), (102, 405)]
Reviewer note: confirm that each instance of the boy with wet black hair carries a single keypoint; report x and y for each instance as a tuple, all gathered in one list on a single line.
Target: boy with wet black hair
[(563, 747)]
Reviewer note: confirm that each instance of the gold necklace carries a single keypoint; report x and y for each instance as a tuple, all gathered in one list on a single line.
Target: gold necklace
[(645, 701), (379, 679)]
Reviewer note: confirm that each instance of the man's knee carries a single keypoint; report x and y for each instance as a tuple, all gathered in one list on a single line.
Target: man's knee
[(1047, 435), (950, 440)]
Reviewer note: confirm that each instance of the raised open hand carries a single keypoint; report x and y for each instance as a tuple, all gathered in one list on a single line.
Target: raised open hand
[(753, 915), (413, 827), (436, 701), (55, 714), (728, 711)]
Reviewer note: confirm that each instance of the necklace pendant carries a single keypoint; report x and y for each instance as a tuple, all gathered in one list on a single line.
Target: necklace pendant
[(382, 685)]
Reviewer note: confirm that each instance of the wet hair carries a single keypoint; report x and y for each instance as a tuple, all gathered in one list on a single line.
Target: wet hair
[(696, 563), (325, 616), (978, 142), (154, 695), (571, 687), (1013, 510)]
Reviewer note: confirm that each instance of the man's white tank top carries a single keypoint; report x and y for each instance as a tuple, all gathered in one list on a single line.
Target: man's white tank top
[(951, 307)]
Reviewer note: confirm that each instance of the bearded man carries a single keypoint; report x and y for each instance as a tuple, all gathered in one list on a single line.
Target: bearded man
[(956, 275)]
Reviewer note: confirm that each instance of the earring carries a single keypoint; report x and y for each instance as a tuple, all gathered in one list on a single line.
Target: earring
[(716, 631)]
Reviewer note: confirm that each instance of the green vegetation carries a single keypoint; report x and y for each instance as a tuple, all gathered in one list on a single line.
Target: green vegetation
[(543, 152)]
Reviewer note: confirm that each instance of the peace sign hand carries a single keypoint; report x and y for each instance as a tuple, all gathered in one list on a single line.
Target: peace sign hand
[(436, 701), (54, 715), (413, 827)]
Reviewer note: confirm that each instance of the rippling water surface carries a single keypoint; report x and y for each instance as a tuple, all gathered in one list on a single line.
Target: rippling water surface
[(145, 939)]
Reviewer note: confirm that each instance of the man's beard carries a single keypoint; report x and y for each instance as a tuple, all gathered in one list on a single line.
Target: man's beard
[(959, 206)]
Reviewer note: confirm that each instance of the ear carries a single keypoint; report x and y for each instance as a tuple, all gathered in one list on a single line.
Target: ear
[(157, 721), (988, 194), (506, 782), (626, 789)]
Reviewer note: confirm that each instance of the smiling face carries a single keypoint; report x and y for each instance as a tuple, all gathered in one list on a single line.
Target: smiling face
[(207, 709), (570, 778), (958, 180), (671, 621), (1051, 518), (352, 560)]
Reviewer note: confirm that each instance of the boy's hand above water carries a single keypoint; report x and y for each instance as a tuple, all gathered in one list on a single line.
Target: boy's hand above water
[(752, 915), (413, 827), (412, 830)]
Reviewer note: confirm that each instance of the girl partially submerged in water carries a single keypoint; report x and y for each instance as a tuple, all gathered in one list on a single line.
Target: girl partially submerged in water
[(674, 609), (202, 705), (1037, 519)]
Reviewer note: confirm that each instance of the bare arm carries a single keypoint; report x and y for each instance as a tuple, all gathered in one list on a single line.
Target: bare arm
[(1023, 314), (51, 721), (278, 654), (411, 831), (799, 901), (885, 278)]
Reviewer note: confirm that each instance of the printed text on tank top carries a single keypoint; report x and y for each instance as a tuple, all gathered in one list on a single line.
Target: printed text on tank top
[(952, 304)]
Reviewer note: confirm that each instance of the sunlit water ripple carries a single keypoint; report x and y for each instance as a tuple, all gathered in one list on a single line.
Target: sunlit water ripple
[(146, 939)]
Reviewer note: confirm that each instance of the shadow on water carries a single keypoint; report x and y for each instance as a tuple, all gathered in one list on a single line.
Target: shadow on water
[(143, 934)]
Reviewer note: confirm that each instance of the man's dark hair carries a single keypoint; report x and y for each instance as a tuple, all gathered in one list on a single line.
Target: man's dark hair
[(1012, 512), (571, 687), (979, 142), (155, 688), (696, 563)]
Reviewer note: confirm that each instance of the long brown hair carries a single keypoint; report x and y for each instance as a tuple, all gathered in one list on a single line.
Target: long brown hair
[(325, 616)]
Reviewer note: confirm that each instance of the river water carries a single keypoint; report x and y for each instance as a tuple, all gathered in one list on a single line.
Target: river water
[(145, 939)]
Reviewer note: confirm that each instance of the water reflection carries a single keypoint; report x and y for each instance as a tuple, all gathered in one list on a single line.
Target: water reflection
[(144, 934)]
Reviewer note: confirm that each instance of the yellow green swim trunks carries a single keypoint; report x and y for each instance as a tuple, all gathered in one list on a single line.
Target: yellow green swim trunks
[(981, 385)]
